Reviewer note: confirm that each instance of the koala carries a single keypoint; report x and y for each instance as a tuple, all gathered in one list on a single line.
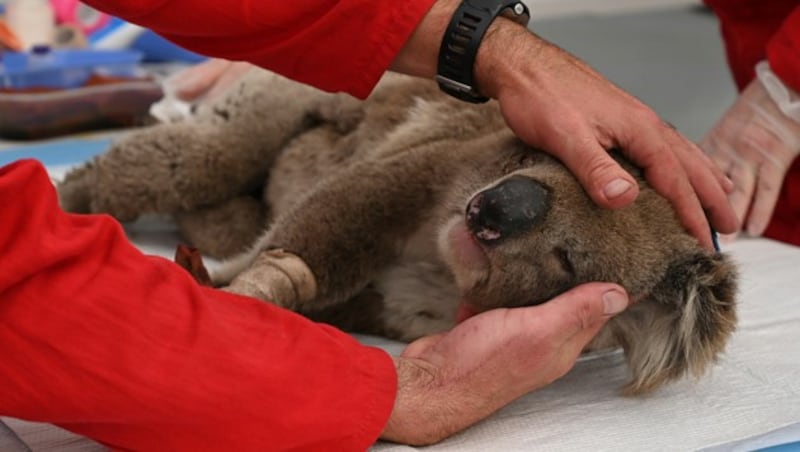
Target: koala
[(391, 215)]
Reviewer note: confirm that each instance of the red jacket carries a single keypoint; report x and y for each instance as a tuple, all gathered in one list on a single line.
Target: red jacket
[(335, 45), (754, 30), (127, 349)]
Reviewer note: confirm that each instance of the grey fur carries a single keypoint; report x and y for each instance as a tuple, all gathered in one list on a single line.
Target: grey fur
[(367, 205)]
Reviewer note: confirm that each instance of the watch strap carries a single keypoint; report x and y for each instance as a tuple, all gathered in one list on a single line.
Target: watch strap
[(459, 48)]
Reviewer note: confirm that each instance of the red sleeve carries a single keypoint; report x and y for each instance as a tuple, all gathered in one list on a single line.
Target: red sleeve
[(783, 51), (335, 45), (128, 350), (754, 30)]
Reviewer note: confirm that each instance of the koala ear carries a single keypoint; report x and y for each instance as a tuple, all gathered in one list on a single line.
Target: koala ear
[(683, 324)]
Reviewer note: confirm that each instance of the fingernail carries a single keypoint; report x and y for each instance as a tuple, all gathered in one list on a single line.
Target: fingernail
[(616, 188), (614, 302)]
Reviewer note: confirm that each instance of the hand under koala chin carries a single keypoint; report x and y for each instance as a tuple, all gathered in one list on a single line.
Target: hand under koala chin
[(392, 215)]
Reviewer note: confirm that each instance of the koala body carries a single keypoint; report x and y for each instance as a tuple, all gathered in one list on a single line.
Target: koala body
[(388, 215)]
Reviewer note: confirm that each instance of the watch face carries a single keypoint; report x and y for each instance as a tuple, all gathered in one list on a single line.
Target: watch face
[(517, 12)]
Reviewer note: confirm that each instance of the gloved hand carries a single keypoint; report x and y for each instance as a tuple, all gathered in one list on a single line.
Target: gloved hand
[(755, 143)]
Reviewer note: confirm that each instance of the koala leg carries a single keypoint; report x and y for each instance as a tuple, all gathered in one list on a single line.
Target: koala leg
[(165, 169), (226, 229), (345, 231)]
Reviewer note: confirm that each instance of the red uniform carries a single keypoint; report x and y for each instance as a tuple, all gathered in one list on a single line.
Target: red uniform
[(335, 45), (127, 349), (754, 30)]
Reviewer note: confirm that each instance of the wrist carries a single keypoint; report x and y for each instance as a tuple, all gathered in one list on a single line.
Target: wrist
[(409, 422), (786, 99), (496, 65), (465, 33)]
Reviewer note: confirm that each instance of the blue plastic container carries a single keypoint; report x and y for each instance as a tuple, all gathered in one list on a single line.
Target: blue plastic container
[(65, 68)]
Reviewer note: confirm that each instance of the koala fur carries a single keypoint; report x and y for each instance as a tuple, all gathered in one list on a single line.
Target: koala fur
[(383, 216)]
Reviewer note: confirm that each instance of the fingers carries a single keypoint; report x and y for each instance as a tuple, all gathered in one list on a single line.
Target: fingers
[(606, 182), (678, 170), (770, 179), (744, 176), (567, 323), (754, 144), (675, 167), (711, 193), (230, 75)]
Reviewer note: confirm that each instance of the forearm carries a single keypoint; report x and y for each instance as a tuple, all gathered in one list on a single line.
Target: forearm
[(129, 350), (428, 410), (504, 42)]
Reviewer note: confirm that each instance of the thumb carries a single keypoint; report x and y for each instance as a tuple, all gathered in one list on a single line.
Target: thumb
[(580, 310)]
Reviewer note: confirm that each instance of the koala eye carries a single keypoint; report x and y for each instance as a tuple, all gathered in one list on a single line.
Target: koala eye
[(563, 258)]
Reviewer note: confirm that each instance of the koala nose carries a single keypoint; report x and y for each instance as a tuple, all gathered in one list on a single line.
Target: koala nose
[(509, 208)]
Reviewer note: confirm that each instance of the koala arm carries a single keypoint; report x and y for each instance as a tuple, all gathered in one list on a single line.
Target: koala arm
[(361, 217)]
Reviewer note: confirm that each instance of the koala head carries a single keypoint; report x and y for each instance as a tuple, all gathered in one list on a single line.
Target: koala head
[(533, 233)]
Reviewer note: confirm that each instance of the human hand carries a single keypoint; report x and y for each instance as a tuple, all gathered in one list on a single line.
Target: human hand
[(202, 83), (754, 143), (556, 102), (452, 380), (206, 81)]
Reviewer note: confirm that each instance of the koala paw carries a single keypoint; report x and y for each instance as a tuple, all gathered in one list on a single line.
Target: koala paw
[(74, 192), (278, 277)]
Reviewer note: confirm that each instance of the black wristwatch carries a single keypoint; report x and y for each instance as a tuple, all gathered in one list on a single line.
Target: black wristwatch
[(460, 43)]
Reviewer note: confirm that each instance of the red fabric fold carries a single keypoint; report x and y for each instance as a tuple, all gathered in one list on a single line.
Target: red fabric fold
[(128, 350), (333, 45)]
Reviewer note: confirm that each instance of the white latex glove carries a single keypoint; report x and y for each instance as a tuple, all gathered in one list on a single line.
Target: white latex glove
[(754, 143)]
